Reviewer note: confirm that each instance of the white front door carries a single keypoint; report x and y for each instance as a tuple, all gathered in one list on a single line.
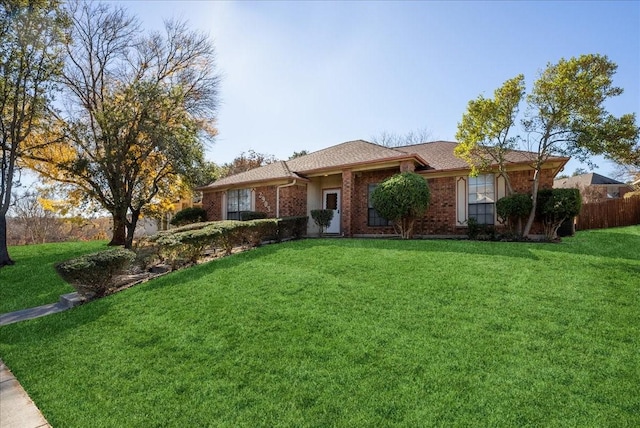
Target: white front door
[(331, 201)]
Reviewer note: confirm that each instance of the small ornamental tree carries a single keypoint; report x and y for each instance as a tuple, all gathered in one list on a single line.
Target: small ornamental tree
[(514, 208), (322, 218), (555, 206), (403, 199)]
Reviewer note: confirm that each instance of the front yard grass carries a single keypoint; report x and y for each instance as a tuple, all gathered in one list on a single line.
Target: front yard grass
[(354, 333), (32, 281)]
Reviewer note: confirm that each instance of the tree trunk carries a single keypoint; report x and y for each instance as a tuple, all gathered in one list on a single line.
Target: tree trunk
[(5, 259), (119, 236), (131, 228), (534, 205)]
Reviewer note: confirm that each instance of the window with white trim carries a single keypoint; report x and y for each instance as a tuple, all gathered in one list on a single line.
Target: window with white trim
[(482, 198), (238, 201), (374, 218)]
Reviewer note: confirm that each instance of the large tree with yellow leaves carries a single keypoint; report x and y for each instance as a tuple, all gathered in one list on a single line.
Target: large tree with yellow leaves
[(139, 108)]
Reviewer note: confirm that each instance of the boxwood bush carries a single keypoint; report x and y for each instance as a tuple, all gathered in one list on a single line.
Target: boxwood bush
[(188, 244), (188, 216), (252, 215), (94, 274), (514, 209), (555, 206)]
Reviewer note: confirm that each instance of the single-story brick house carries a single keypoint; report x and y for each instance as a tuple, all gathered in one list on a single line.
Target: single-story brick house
[(342, 178)]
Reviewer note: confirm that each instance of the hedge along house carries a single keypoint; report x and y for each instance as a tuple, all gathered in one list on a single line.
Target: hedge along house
[(342, 177)]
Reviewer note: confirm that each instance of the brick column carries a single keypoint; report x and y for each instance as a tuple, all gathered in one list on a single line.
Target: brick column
[(347, 198), (407, 165)]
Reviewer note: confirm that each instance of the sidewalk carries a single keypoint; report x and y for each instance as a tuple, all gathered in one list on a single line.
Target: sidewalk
[(16, 408)]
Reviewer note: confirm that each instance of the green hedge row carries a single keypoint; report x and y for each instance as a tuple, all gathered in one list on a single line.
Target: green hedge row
[(94, 275), (189, 242)]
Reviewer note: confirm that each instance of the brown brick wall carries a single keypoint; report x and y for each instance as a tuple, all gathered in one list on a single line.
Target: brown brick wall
[(407, 165), (521, 181), (265, 200), (212, 204), (360, 206), (440, 218), (293, 201), (349, 189)]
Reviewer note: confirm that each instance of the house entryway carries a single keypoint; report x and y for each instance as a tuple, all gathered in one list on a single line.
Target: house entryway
[(331, 201)]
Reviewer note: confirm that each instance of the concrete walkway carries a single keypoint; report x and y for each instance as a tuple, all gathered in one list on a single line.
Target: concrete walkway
[(16, 408), (67, 301)]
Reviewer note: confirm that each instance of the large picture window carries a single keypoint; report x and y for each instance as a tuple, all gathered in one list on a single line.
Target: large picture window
[(238, 201), (374, 219), (482, 198)]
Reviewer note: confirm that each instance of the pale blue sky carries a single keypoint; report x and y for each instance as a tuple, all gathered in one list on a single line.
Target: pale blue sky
[(308, 75)]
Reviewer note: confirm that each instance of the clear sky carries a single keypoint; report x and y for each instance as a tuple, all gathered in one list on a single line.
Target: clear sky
[(309, 75)]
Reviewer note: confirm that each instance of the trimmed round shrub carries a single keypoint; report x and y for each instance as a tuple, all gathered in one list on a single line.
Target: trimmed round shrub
[(514, 205), (402, 199), (514, 208), (188, 216), (95, 273)]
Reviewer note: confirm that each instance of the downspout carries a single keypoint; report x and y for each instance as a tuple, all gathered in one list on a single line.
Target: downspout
[(278, 195)]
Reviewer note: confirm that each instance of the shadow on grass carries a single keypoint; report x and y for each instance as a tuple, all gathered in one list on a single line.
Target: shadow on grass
[(195, 273), (610, 245), (618, 243)]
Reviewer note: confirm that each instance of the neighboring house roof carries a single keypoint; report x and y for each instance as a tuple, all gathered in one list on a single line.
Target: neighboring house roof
[(437, 155), (584, 180)]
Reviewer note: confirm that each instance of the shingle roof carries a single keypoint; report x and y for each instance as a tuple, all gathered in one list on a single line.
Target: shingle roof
[(274, 171), (583, 180), (437, 155), (349, 153)]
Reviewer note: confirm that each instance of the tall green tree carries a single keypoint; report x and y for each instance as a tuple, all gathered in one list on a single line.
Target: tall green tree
[(484, 134), (141, 107), (565, 116), (30, 36)]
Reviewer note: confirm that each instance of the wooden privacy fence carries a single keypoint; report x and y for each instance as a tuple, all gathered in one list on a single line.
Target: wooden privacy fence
[(610, 213)]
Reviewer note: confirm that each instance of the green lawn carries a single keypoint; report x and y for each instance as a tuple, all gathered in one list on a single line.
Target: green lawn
[(354, 333), (32, 281)]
